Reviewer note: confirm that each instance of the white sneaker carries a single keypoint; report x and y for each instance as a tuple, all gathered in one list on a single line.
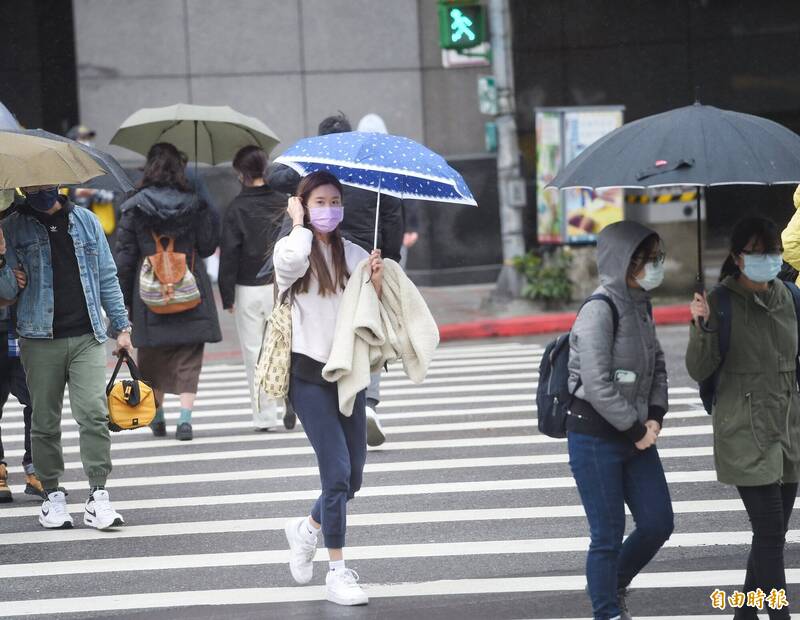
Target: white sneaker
[(375, 434), (54, 514), (341, 587), (99, 513), (301, 550)]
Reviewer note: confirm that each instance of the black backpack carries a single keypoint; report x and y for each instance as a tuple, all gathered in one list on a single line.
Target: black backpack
[(553, 396), (708, 387)]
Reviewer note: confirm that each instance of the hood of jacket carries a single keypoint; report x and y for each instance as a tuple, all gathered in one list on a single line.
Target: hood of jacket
[(165, 209), (615, 247)]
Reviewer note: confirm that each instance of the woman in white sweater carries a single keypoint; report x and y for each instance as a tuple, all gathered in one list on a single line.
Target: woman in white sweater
[(312, 266)]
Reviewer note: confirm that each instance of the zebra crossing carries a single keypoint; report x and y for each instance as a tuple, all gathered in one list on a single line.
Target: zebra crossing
[(466, 511)]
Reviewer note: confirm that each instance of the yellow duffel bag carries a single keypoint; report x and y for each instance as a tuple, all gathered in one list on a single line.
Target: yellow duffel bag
[(131, 402)]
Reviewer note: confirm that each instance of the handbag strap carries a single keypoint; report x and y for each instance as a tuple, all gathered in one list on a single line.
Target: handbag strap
[(123, 358)]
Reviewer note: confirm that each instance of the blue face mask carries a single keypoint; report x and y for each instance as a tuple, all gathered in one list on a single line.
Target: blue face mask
[(43, 200), (652, 277), (762, 267)]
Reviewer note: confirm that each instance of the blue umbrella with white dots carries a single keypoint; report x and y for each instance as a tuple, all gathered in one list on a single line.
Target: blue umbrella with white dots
[(381, 163)]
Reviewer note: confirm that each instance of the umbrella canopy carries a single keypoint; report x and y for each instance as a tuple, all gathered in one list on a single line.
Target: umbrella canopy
[(29, 160), (7, 120), (382, 163), (696, 145), (104, 160), (208, 134)]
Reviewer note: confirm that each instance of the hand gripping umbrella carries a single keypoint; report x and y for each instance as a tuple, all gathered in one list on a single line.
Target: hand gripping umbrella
[(381, 163), (695, 145)]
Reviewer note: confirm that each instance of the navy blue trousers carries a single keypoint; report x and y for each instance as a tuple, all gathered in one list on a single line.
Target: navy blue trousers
[(340, 444)]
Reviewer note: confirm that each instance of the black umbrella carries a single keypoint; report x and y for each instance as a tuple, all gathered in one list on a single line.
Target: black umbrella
[(103, 159), (696, 145)]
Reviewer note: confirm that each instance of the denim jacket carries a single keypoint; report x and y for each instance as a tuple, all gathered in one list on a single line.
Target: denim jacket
[(28, 245)]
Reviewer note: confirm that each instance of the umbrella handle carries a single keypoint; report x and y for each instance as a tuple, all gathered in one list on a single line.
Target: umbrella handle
[(700, 288)]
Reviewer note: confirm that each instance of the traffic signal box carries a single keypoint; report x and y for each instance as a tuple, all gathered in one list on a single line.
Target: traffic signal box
[(462, 24)]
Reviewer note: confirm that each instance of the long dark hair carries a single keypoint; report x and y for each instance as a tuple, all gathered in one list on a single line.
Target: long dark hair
[(165, 167), (749, 229), (328, 283)]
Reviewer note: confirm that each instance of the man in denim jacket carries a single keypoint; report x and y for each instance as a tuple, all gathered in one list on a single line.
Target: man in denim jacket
[(55, 259)]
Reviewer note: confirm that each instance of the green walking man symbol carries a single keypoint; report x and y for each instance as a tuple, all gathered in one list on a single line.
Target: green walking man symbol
[(461, 25)]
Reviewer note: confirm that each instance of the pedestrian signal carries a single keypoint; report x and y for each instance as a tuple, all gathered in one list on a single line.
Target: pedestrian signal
[(462, 24)]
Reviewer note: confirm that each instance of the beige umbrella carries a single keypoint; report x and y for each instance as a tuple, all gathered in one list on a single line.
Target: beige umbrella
[(208, 134), (26, 161)]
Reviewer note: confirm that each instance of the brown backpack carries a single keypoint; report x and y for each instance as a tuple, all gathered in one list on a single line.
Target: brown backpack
[(166, 284)]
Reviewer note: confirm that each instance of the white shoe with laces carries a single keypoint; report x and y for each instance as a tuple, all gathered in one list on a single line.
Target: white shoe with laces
[(54, 514), (302, 550), (99, 513), (342, 588)]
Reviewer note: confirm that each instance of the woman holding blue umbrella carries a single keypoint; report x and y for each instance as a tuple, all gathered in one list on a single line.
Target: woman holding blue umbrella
[(312, 266)]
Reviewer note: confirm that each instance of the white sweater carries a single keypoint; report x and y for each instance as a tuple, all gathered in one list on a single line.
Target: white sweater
[(313, 316)]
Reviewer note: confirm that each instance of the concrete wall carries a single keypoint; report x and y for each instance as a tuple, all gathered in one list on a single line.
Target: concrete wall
[(288, 62)]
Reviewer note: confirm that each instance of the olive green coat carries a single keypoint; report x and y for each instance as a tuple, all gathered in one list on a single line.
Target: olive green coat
[(756, 416)]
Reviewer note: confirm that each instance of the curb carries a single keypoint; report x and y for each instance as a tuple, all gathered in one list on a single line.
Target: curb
[(542, 324)]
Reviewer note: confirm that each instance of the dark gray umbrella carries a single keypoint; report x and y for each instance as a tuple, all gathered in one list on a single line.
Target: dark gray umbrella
[(697, 145), (103, 159)]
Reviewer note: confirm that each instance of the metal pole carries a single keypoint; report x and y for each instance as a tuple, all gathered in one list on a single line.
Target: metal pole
[(509, 283), (377, 213)]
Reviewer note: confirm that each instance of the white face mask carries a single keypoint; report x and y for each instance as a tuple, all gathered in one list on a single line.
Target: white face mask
[(652, 277)]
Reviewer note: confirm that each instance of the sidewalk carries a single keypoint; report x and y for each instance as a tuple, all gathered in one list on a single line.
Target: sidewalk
[(468, 312)]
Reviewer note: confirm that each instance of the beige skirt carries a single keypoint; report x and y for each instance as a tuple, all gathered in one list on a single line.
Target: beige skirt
[(174, 370)]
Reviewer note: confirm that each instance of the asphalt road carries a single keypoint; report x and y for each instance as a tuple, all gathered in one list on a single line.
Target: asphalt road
[(466, 513)]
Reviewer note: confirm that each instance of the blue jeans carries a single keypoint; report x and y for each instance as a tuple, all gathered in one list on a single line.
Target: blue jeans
[(340, 444), (611, 473)]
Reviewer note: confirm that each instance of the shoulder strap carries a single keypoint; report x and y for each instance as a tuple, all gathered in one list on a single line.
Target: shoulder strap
[(724, 320), (607, 299)]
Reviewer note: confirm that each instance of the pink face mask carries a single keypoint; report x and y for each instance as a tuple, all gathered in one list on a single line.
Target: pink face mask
[(326, 219)]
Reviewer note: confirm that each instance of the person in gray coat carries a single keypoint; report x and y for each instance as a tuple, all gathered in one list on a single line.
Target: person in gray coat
[(620, 385)]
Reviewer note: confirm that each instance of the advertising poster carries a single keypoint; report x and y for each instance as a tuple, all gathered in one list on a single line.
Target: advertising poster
[(549, 213), (587, 212), (572, 216)]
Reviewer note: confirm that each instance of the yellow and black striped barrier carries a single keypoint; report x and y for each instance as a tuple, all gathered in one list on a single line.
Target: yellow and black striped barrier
[(661, 199)]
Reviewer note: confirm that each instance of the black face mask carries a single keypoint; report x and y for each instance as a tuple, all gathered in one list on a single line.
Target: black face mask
[(43, 200)]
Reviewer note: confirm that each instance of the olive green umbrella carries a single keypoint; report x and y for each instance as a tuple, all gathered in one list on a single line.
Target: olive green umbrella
[(208, 134), (27, 161)]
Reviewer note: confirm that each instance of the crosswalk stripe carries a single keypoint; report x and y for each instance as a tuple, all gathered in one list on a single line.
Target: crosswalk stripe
[(374, 552), (394, 466), (679, 431), (450, 587), (231, 414), (434, 488), (438, 427), (353, 520)]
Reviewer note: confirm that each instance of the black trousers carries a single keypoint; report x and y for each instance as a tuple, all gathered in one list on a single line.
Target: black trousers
[(769, 508), (12, 381)]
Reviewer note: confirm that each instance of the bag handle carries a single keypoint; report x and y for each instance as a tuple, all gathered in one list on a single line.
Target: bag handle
[(123, 358), (159, 248)]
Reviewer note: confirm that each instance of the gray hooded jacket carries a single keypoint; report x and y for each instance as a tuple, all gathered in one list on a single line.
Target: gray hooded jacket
[(623, 399)]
